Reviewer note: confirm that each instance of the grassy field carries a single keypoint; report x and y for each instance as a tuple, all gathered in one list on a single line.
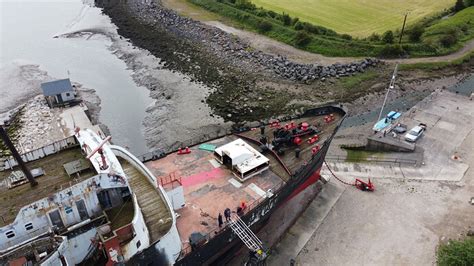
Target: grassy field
[(357, 17)]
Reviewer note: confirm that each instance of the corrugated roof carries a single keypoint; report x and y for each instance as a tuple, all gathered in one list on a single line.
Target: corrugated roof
[(56, 87)]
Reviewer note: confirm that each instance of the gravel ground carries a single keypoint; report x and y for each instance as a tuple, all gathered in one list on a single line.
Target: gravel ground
[(404, 220)]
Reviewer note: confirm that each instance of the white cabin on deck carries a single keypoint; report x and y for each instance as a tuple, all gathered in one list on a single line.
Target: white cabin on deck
[(242, 158)]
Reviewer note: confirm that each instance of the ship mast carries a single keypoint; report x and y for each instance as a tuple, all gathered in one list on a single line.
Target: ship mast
[(17, 156), (391, 86)]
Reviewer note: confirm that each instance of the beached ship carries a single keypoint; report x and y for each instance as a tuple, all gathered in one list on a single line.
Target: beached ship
[(98, 204)]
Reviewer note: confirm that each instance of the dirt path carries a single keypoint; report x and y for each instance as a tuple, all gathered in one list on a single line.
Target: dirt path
[(270, 46), (274, 47)]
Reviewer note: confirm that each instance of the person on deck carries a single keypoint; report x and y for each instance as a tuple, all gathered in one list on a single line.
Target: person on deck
[(227, 214), (219, 220)]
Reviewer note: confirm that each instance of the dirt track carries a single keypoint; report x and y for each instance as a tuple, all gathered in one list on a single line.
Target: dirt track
[(271, 46), (274, 47)]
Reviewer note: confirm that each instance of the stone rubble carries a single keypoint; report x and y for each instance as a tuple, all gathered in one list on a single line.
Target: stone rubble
[(40, 125)]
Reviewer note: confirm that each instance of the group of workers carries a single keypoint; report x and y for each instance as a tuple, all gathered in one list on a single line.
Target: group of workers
[(228, 213)]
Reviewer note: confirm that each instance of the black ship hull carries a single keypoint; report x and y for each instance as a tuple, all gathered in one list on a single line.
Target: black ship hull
[(225, 242)]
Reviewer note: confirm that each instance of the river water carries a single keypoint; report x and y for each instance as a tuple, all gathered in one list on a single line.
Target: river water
[(26, 35)]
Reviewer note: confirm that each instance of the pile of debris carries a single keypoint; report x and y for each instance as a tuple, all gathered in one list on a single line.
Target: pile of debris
[(40, 125)]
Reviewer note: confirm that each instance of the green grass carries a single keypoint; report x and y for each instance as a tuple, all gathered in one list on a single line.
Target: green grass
[(325, 41), (353, 82), (357, 17), (361, 156), (462, 24), (460, 253)]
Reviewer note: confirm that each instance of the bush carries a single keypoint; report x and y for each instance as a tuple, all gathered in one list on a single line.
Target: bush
[(414, 35), (374, 37), (387, 37), (457, 253), (244, 5), (264, 26), (346, 37), (299, 26), (294, 21), (392, 51), (302, 39), (310, 28), (458, 6), (448, 40), (286, 19)]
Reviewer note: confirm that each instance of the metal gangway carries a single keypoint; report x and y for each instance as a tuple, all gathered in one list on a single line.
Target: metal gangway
[(247, 236)]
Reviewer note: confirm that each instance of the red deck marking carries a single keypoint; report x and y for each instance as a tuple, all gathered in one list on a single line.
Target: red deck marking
[(202, 177)]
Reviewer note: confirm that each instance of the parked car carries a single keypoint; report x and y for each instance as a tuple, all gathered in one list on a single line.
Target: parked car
[(400, 129), (415, 133)]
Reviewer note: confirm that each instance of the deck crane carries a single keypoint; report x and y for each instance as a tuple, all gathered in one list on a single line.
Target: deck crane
[(253, 243)]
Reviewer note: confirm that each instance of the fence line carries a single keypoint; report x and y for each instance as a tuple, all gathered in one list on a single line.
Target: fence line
[(373, 160), (49, 149)]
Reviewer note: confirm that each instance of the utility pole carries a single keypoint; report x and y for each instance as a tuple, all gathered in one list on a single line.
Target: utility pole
[(16, 155), (403, 27)]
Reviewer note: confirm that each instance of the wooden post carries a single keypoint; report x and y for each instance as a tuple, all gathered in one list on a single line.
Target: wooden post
[(16, 155)]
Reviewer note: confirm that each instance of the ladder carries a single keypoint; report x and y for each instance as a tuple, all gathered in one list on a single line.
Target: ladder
[(246, 235)]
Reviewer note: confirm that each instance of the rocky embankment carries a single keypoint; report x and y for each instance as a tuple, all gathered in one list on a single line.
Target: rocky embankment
[(238, 52), (245, 85)]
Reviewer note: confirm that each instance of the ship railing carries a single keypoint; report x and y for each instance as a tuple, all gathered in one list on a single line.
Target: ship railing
[(373, 160), (186, 249)]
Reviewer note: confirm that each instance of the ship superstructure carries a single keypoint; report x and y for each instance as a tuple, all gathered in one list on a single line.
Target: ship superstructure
[(76, 211)]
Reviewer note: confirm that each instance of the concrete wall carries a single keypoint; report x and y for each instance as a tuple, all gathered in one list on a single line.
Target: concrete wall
[(67, 96), (383, 145)]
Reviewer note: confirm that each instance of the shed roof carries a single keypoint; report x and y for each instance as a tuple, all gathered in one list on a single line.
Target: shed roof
[(56, 87)]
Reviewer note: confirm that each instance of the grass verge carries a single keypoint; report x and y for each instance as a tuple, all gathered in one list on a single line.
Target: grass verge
[(459, 253), (438, 35)]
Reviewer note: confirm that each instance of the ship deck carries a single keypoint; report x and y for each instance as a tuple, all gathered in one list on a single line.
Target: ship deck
[(210, 188), (54, 179), (157, 217)]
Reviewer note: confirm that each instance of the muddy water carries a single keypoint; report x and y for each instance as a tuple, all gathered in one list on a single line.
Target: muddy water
[(27, 30)]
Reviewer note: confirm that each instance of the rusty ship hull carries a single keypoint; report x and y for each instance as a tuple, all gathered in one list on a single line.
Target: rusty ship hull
[(222, 244)]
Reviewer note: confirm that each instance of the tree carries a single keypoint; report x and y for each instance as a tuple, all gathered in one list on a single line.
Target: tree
[(387, 37), (459, 6), (415, 33)]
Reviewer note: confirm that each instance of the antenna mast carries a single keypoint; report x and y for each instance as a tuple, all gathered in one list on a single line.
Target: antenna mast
[(391, 86)]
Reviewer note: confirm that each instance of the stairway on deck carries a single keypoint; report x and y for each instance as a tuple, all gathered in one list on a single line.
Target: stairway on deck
[(157, 217)]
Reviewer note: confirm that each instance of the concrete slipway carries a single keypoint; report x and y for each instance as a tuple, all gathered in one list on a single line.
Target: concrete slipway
[(413, 209)]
